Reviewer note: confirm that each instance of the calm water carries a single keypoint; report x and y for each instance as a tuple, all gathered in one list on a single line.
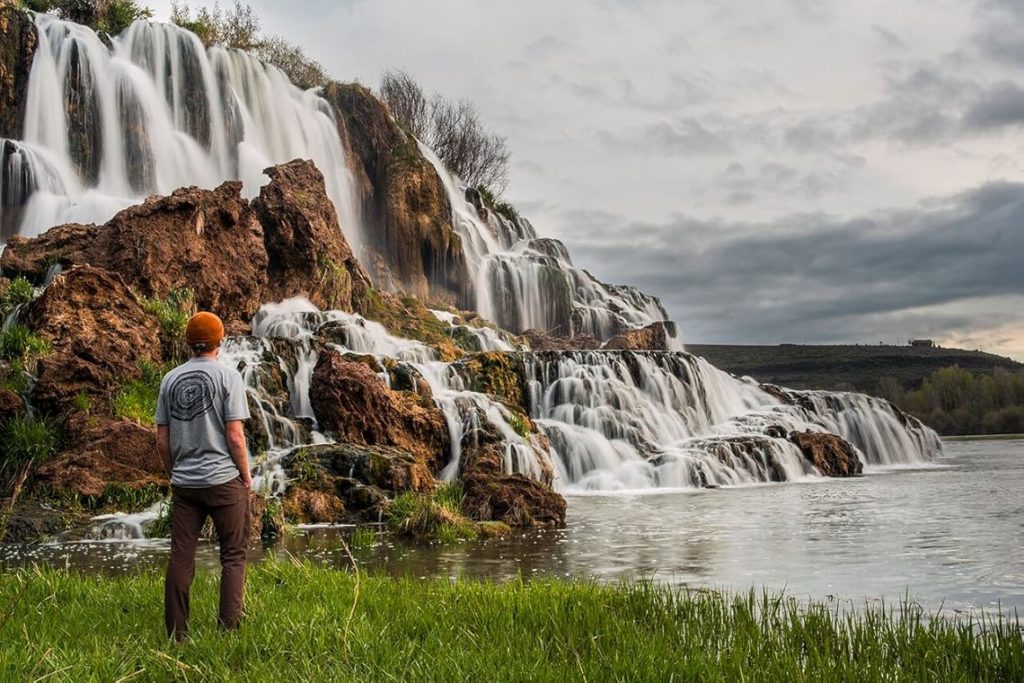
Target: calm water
[(949, 535)]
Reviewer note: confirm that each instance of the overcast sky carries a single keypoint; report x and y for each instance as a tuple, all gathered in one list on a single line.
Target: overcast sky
[(778, 171)]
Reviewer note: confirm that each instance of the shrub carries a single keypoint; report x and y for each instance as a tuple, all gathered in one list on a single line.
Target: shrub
[(18, 342), (452, 128), (111, 16), (136, 400), (27, 441)]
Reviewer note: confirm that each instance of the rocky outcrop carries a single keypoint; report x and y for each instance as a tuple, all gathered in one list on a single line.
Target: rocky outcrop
[(208, 241), (654, 337), (513, 499), (405, 207), (18, 40), (11, 405), (538, 340), (98, 334), (332, 482), (306, 250), (103, 452), (833, 455), (352, 402), (497, 373)]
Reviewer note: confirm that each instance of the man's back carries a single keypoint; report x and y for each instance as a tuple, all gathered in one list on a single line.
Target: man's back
[(196, 400)]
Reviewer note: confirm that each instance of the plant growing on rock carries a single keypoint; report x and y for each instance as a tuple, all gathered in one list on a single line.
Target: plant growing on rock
[(25, 442), (20, 291), (137, 399), (17, 342), (431, 516), (172, 312)]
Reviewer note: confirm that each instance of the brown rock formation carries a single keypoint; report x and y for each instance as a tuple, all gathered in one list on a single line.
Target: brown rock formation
[(98, 335), (104, 451), (654, 337), (511, 498), (18, 42), (831, 454), (350, 400), (542, 341), (306, 251), (405, 206), (206, 240), (11, 405)]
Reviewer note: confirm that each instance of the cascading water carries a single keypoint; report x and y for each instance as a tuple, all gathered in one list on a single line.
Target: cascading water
[(525, 282), (154, 111)]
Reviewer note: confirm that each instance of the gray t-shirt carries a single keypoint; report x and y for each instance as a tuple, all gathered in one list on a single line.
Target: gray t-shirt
[(196, 399)]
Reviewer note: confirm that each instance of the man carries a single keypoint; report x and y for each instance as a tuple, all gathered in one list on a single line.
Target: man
[(199, 416)]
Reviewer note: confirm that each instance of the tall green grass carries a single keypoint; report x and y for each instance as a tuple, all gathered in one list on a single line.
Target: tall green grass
[(434, 516), (137, 399), (71, 627), (17, 342)]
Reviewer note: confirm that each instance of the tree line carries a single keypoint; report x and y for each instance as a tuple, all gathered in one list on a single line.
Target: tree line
[(953, 400)]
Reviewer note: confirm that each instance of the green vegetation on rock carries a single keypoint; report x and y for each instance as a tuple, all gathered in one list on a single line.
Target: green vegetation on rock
[(19, 343), (136, 400), (19, 291), (173, 313), (66, 626), (109, 16), (431, 516), (27, 441)]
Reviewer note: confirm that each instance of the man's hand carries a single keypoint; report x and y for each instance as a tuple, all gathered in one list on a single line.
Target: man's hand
[(235, 432)]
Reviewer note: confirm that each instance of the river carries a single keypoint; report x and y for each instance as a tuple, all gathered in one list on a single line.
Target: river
[(950, 535)]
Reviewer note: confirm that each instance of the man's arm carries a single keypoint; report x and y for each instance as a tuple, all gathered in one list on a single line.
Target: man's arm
[(163, 447), (238, 449)]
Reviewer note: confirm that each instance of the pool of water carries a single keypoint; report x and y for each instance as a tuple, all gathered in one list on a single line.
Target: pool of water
[(950, 535)]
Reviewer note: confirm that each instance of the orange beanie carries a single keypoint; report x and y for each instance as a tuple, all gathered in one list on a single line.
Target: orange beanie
[(204, 330)]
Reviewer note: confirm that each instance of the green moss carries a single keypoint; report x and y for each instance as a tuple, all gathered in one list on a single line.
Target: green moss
[(136, 400), (18, 342), (520, 423), (336, 282)]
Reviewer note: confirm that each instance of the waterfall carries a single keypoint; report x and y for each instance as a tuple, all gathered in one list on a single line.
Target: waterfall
[(107, 124), (525, 282)]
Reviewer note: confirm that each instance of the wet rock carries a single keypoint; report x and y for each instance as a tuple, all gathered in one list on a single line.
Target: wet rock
[(18, 40), (497, 373), (351, 401), (31, 521), (404, 203), (98, 333), (654, 337), (330, 482), (542, 341), (831, 454), (102, 451), (513, 499), (208, 241), (306, 250)]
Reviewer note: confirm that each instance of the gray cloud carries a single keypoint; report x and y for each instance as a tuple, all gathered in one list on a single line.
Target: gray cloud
[(815, 278), (682, 136), (1002, 105)]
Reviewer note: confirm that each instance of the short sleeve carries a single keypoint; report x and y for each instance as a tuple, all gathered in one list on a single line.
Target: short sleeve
[(236, 404), (161, 403)]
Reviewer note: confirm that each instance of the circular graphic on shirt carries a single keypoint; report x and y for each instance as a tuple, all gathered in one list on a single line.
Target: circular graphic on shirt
[(191, 395)]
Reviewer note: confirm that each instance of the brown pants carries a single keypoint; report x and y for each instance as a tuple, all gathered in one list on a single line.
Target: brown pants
[(228, 505)]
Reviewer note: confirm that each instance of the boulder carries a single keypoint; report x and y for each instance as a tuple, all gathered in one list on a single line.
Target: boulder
[(513, 499), (102, 451), (306, 250), (412, 242), (833, 455), (654, 337), (99, 335), (330, 482), (353, 403), (18, 40), (208, 241)]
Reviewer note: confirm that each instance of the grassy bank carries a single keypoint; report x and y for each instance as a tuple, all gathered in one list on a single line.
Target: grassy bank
[(69, 627)]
